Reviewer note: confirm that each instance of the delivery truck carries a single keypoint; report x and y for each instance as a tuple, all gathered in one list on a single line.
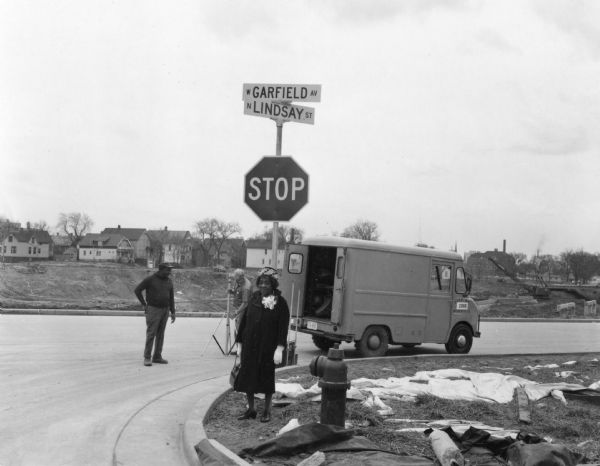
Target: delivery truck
[(376, 295)]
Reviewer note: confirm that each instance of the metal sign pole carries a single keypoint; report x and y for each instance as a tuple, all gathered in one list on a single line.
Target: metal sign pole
[(228, 326), (276, 224)]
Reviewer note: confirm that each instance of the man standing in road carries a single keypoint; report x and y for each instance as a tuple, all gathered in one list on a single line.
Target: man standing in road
[(160, 299), (241, 291)]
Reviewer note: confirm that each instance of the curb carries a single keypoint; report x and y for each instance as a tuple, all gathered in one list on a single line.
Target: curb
[(193, 427), (124, 313), (195, 443), (536, 319), (99, 312)]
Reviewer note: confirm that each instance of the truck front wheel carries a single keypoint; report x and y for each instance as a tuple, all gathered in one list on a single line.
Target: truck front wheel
[(374, 342), (460, 341), (322, 343)]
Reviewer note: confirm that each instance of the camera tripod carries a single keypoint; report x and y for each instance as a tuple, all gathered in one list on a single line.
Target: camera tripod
[(226, 315)]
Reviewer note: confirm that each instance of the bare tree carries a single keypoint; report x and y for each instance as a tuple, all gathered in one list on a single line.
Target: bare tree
[(519, 257), (203, 232), (75, 224), (581, 264), (6, 225), (41, 225), (362, 229), (212, 233), (224, 231), (286, 234)]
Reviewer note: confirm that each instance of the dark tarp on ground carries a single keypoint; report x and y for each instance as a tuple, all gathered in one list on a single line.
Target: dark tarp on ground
[(341, 446), (374, 458), (305, 438), (542, 454), (479, 447), (587, 394)]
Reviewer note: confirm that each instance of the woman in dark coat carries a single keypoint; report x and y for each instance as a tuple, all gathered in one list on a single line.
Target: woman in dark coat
[(261, 339)]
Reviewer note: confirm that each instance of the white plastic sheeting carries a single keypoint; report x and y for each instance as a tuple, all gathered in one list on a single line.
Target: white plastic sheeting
[(451, 384)]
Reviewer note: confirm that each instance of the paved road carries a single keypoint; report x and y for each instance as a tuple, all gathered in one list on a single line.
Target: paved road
[(72, 387)]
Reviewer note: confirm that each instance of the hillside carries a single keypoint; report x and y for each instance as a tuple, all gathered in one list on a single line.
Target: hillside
[(77, 285)]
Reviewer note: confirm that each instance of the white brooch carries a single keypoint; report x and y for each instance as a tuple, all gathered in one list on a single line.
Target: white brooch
[(269, 302)]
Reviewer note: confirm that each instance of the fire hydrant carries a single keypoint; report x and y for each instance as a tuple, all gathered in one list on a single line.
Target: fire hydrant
[(333, 381)]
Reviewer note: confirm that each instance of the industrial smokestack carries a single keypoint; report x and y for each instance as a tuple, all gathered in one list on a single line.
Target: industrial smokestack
[(504, 246)]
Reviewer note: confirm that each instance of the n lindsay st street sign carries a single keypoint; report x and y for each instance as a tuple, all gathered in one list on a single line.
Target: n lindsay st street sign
[(276, 110)]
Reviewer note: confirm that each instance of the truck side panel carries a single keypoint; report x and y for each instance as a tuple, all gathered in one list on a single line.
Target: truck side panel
[(389, 289)]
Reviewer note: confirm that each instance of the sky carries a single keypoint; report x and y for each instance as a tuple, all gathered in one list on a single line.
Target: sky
[(450, 123)]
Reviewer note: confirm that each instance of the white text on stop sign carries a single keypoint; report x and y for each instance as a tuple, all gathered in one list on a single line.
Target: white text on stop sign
[(280, 187)]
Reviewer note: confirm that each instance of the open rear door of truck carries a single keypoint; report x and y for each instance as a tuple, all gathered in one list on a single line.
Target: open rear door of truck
[(293, 279), (338, 286)]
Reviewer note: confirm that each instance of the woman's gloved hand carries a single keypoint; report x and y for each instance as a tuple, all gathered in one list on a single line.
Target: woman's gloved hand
[(278, 355), (239, 351)]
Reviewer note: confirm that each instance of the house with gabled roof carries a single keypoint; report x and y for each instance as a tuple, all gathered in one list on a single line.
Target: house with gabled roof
[(105, 247), (134, 235), (172, 246), (26, 244)]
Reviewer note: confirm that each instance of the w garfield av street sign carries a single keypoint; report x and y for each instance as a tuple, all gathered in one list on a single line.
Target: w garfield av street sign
[(282, 92)]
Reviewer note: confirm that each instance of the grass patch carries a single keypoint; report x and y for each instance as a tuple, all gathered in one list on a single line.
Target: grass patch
[(575, 425)]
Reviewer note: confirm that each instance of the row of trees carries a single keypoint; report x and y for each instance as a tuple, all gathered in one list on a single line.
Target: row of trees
[(576, 265), (211, 234)]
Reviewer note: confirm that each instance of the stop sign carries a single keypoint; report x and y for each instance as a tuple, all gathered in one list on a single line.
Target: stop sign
[(276, 188)]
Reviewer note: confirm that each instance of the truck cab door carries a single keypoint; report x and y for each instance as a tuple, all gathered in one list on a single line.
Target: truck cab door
[(293, 278), (338, 286), (439, 308)]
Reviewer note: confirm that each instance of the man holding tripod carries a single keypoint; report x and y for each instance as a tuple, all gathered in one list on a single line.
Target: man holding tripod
[(241, 291)]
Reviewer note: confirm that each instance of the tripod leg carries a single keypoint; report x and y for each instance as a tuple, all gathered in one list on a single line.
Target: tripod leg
[(217, 342)]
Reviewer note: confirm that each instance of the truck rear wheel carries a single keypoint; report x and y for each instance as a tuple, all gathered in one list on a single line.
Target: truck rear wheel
[(322, 343), (374, 342), (460, 341)]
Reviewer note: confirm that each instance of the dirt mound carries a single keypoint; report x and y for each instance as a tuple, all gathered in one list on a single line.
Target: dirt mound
[(76, 285), (499, 297)]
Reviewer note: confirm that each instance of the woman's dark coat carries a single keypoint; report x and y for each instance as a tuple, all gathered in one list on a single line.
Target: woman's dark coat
[(261, 331)]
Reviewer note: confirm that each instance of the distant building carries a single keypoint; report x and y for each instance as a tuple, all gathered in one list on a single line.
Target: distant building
[(105, 247), (26, 244), (134, 235), (173, 246), (259, 254), (62, 247)]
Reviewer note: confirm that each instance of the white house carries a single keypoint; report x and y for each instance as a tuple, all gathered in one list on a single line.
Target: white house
[(27, 244), (105, 247), (259, 254), (173, 246)]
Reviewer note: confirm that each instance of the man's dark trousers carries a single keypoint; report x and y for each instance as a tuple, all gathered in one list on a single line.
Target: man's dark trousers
[(156, 322)]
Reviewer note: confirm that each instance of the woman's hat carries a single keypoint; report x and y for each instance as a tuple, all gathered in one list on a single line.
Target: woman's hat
[(269, 272)]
